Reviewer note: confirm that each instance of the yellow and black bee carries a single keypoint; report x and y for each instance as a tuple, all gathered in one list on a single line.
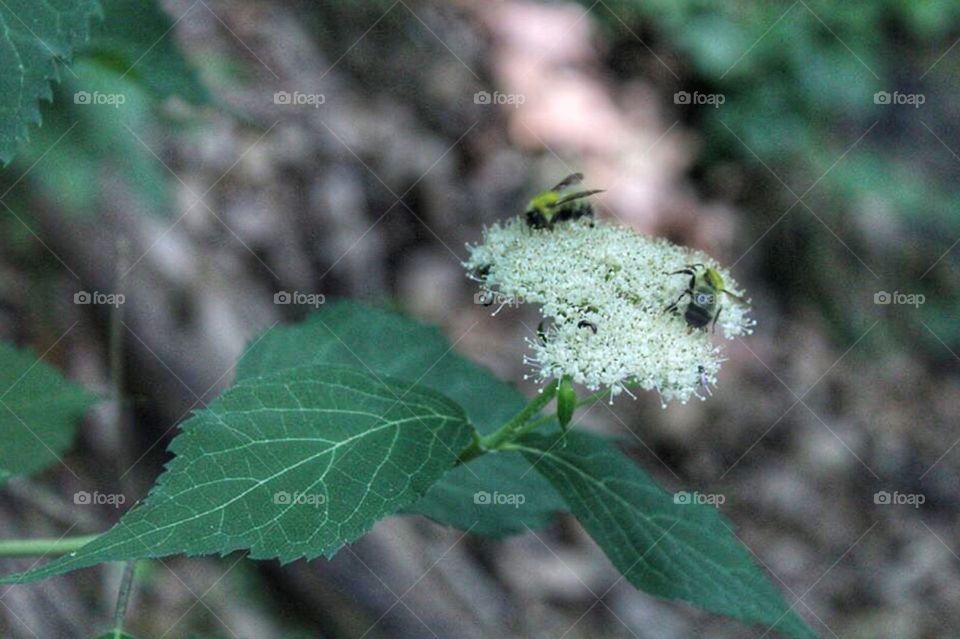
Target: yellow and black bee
[(560, 203), (704, 290)]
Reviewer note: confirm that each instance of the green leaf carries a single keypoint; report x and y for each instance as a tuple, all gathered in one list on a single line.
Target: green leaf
[(116, 634), (290, 465), (136, 40), (35, 37), (103, 111), (83, 143), (38, 411), (672, 550), (372, 339)]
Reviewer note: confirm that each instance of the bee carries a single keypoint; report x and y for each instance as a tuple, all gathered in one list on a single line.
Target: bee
[(560, 203), (704, 290)]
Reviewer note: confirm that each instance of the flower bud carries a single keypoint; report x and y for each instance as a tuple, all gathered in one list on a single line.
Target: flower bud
[(566, 402)]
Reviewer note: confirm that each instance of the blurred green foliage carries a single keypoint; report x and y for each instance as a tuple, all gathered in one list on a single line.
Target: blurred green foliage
[(136, 40), (799, 81), (34, 38), (79, 143), (132, 65)]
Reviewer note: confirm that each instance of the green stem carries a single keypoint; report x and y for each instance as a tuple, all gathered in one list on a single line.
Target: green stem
[(43, 547), (116, 375), (537, 423), (509, 431), (520, 425), (123, 597), (472, 451)]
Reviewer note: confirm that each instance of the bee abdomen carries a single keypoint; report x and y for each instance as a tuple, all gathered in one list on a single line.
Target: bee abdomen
[(697, 316), (573, 211)]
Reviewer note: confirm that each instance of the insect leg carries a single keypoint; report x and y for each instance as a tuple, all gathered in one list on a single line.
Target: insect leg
[(715, 317), (736, 297), (673, 307)]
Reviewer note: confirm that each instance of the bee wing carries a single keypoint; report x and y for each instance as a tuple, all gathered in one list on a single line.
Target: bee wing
[(576, 196), (570, 180), (736, 297)]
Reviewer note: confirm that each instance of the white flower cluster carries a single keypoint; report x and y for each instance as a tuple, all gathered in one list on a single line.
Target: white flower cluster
[(603, 290)]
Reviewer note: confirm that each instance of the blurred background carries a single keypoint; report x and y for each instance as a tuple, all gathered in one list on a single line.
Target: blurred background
[(352, 150)]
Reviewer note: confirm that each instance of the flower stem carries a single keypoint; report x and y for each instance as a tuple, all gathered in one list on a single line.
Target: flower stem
[(43, 547), (537, 423), (123, 597), (512, 429)]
